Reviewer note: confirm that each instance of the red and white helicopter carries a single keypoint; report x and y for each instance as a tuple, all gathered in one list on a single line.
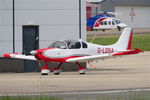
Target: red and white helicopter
[(79, 51), (108, 24), (105, 21)]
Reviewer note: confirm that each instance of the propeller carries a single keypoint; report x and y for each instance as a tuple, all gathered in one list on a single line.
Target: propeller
[(33, 52), (95, 1)]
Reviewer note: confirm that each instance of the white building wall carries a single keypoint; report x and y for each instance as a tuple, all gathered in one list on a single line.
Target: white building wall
[(57, 19), (141, 18), (5, 26)]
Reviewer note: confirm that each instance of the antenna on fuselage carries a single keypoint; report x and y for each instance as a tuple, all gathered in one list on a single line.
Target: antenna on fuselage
[(93, 38)]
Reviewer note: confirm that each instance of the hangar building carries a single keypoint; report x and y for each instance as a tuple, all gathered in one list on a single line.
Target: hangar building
[(54, 19), (31, 24), (134, 13)]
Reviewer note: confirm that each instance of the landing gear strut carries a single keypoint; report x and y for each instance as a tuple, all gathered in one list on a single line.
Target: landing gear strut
[(57, 70), (81, 70)]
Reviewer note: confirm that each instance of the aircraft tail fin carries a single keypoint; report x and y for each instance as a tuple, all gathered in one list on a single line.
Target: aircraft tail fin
[(125, 40)]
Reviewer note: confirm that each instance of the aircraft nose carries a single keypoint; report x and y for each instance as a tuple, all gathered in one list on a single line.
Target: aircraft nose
[(33, 52), (122, 25)]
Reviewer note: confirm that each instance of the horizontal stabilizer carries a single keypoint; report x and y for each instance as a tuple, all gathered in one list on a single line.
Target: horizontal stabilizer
[(129, 52)]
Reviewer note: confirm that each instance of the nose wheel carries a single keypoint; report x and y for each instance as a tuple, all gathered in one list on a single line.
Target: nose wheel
[(57, 72), (82, 70), (45, 70)]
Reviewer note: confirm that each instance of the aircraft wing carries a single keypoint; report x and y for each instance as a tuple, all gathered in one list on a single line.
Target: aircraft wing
[(104, 56), (80, 59), (20, 56), (89, 58)]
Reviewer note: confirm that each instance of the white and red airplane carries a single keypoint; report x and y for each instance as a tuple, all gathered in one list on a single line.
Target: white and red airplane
[(79, 51)]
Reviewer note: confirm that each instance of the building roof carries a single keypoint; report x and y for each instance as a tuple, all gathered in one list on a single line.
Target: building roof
[(109, 5), (131, 2), (90, 5), (94, 1)]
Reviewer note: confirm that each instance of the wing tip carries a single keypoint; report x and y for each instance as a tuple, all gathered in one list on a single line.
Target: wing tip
[(8, 55)]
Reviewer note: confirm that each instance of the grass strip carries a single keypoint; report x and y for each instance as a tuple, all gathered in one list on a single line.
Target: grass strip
[(141, 41)]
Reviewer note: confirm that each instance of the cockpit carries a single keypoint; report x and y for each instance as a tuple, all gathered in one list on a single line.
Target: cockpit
[(69, 44)]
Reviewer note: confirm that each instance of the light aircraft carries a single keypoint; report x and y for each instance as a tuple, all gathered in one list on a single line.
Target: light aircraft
[(79, 51), (105, 22)]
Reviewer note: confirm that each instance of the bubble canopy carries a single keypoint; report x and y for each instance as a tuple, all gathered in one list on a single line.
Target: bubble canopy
[(69, 44)]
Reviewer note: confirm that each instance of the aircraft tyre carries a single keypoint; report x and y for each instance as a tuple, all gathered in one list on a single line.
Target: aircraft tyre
[(82, 71), (119, 28), (57, 72), (45, 71)]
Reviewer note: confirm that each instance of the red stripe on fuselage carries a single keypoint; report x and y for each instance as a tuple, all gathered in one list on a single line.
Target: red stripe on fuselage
[(41, 57)]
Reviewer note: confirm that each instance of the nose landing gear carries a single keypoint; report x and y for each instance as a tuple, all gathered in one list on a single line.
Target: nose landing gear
[(45, 70)]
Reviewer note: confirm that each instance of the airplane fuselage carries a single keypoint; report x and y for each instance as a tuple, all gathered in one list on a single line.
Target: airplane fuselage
[(53, 54)]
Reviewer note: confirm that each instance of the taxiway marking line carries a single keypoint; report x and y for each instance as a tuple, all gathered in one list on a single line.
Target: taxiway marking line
[(77, 93)]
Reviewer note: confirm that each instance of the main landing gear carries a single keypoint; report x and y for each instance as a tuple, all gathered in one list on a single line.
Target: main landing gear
[(56, 70), (81, 70)]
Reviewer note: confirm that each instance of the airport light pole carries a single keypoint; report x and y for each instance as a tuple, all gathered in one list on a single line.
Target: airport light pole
[(13, 23), (80, 24), (96, 8)]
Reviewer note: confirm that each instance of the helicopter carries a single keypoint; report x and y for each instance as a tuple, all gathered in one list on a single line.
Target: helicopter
[(105, 21)]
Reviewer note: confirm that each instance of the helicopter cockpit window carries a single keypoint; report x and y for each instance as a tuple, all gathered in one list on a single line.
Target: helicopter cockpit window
[(59, 44), (118, 22), (73, 44)]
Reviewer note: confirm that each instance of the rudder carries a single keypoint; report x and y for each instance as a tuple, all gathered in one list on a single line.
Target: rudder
[(125, 40)]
